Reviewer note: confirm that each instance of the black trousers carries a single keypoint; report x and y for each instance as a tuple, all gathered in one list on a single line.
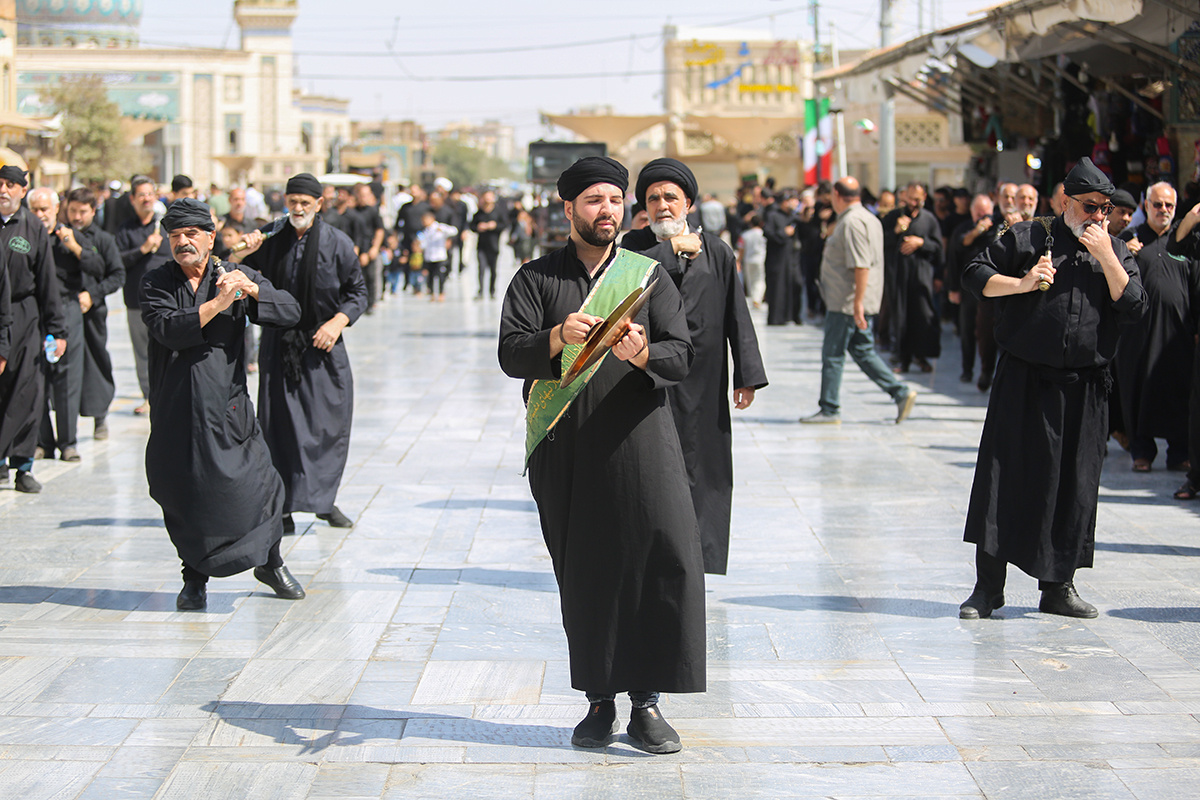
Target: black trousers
[(274, 561)]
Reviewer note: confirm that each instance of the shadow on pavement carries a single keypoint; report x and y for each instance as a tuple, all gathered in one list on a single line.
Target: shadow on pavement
[(351, 725), (896, 606), (511, 579)]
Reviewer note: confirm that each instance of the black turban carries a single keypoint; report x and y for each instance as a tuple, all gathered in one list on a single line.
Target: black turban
[(304, 183), (11, 172), (666, 169), (589, 171), (1086, 177), (188, 213), (1123, 199)]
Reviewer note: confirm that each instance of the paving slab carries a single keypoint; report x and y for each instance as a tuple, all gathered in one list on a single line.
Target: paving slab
[(428, 660)]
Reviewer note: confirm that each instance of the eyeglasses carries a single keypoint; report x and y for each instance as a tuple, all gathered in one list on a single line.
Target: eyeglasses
[(1162, 205), (1092, 208)]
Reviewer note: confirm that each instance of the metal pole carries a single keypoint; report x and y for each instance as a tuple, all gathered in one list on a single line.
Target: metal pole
[(887, 110), (817, 103), (841, 121)]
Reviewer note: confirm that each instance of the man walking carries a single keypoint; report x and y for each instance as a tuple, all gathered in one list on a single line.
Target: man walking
[(852, 286), (705, 271), (98, 384), (36, 312), (306, 387), (222, 500)]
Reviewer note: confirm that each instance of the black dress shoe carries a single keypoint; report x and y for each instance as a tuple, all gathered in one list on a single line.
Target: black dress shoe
[(985, 382), (289, 524), (598, 727), (966, 377), (1062, 599), (980, 605), (336, 519), (193, 597), (25, 482), (651, 732), (281, 581)]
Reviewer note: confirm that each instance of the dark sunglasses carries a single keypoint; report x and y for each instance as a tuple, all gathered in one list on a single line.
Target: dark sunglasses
[(1161, 205), (1092, 208)]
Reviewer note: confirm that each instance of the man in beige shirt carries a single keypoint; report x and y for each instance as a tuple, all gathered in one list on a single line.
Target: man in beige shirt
[(852, 287)]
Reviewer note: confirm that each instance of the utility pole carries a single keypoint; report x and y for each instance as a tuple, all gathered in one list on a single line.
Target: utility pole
[(887, 109), (814, 9), (841, 122)]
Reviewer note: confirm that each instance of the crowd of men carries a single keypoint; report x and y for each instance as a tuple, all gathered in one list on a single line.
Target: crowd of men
[(1081, 310)]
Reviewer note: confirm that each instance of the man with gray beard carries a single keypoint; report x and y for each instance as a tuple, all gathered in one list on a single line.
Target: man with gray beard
[(1062, 292), (704, 269), (306, 389)]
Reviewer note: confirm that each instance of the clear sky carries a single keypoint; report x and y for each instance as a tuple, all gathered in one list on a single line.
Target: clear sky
[(437, 62)]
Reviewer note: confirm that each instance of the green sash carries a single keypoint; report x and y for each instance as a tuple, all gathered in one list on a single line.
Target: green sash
[(547, 400)]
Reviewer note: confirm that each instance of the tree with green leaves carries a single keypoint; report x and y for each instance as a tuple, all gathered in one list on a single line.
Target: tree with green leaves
[(91, 139), (467, 166)]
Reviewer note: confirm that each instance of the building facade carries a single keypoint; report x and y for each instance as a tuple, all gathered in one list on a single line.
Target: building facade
[(219, 116)]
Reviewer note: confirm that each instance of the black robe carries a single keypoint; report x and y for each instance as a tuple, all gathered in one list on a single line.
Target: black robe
[(916, 332), (307, 425), (206, 461), (1037, 478), (1154, 359), (98, 385), (611, 490), (37, 311), (780, 266), (719, 324)]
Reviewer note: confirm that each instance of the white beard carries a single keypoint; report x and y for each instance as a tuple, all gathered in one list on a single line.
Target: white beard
[(668, 228), (302, 223)]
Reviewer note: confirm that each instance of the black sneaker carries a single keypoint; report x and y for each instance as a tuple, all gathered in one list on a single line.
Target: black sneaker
[(598, 727), (651, 732)]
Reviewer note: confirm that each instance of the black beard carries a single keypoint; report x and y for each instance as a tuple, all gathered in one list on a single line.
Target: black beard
[(593, 236)]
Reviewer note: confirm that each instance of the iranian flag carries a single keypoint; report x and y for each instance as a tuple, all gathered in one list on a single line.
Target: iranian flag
[(818, 140)]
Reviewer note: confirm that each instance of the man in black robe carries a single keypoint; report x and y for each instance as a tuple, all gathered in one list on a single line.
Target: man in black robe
[(206, 461), (704, 269), (488, 224), (306, 388), (98, 385), (37, 312), (143, 248), (964, 243), (370, 224), (74, 261), (1185, 243), (779, 228), (912, 249), (1154, 358), (1037, 478), (610, 482)]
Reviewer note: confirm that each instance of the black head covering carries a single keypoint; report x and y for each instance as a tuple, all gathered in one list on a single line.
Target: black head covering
[(304, 183), (666, 169), (1123, 199), (589, 171), (1086, 177), (11, 172), (187, 212)]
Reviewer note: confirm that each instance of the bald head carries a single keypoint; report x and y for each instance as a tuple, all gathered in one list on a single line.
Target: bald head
[(846, 192), (981, 206)]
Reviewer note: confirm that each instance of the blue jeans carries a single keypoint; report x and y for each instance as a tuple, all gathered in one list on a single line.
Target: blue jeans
[(842, 336)]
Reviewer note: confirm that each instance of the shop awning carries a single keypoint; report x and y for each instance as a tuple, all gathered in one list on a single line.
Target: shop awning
[(612, 129)]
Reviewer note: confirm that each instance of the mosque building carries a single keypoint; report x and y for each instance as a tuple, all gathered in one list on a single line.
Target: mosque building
[(220, 116)]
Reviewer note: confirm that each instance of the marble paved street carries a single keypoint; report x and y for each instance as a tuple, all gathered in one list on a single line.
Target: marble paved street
[(429, 661)]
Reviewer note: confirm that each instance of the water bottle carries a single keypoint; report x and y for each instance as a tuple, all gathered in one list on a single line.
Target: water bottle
[(50, 346)]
